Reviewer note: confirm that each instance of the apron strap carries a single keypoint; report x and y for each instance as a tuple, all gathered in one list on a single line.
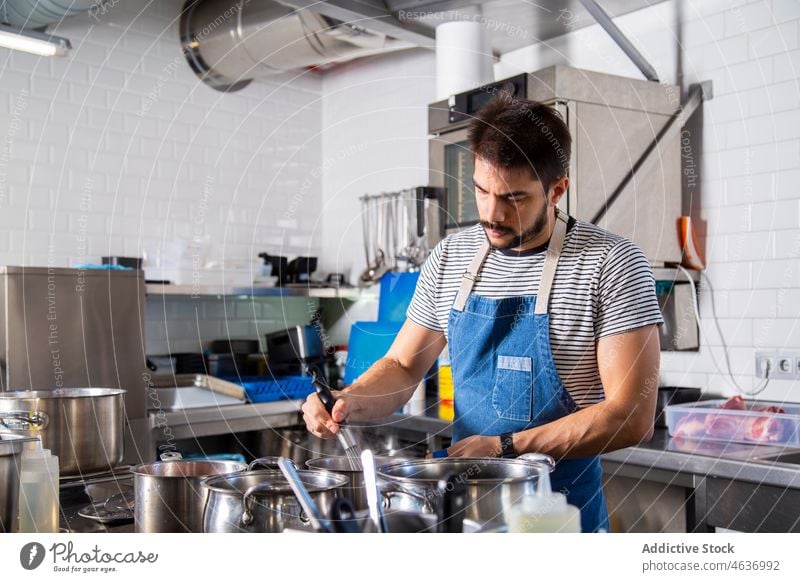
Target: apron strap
[(551, 262), (469, 276)]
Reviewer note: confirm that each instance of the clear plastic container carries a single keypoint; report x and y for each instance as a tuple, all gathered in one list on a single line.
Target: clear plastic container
[(753, 425), (546, 511), (38, 490)]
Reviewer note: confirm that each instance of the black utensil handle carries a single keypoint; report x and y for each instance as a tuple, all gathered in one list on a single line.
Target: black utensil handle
[(454, 498), (324, 393)]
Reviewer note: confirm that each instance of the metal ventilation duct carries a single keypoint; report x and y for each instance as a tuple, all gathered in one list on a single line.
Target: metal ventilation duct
[(230, 42), (27, 14)]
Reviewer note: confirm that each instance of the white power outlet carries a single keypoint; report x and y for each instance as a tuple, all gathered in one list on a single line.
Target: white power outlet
[(781, 365)]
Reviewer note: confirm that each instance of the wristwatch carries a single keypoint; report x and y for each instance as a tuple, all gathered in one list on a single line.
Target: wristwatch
[(507, 446)]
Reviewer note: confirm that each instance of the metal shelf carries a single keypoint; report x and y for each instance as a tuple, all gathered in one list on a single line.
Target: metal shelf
[(345, 293)]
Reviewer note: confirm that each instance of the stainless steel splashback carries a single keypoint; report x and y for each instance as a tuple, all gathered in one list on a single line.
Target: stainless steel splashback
[(73, 328), (613, 121)]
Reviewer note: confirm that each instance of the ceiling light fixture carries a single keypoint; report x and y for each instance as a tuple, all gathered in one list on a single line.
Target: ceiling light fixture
[(33, 42)]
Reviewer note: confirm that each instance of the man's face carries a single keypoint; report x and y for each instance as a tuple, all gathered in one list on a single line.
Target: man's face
[(511, 204)]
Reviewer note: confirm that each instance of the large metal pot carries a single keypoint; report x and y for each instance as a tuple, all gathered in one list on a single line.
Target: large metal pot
[(169, 498), (492, 485), (263, 501), (85, 427), (355, 490), (10, 457)]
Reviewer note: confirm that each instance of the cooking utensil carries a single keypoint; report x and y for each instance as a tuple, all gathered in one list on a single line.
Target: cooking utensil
[(168, 494), (85, 429), (454, 499), (492, 484), (373, 493), (263, 502), (318, 522), (346, 438), (342, 516)]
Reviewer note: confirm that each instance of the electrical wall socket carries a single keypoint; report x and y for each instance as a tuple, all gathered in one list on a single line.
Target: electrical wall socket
[(781, 365)]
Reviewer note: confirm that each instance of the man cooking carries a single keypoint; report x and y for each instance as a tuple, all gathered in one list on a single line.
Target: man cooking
[(551, 323)]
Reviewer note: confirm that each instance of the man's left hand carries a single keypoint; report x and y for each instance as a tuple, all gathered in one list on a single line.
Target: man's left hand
[(475, 446)]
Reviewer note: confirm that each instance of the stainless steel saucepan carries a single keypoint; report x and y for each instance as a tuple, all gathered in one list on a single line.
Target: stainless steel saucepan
[(263, 501), (82, 426), (492, 485)]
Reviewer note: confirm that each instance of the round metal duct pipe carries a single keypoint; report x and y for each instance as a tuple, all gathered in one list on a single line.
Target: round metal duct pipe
[(39, 13), (230, 42)]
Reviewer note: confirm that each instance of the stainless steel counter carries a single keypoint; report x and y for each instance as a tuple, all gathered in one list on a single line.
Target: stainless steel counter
[(710, 459)]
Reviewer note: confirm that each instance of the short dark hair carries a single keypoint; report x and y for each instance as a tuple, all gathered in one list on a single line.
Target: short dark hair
[(510, 132)]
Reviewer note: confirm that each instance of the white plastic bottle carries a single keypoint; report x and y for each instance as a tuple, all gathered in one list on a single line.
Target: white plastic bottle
[(546, 511), (38, 490)]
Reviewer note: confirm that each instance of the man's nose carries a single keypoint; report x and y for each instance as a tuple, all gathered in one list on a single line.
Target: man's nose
[(495, 211)]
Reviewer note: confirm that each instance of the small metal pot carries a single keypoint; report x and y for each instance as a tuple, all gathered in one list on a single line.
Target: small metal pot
[(85, 429), (492, 485), (10, 456), (263, 501), (169, 498)]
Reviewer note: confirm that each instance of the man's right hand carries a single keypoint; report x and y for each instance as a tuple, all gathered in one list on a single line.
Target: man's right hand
[(319, 422)]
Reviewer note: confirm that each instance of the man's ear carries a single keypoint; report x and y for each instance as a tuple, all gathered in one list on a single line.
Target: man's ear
[(557, 190)]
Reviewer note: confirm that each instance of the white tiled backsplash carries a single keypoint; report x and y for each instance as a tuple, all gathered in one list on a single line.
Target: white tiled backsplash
[(96, 169)]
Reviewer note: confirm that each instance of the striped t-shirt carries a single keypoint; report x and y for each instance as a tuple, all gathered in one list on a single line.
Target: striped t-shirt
[(603, 286)]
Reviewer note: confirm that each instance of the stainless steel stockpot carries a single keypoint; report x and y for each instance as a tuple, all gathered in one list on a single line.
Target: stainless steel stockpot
[(263, 502), (84, 425), (493, 485), (169, 497), (354, 490)]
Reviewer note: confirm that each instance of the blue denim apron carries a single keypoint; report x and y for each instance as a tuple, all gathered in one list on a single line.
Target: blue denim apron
[(506, 380)]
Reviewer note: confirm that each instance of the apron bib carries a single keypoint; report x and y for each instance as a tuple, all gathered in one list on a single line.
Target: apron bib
[(505, 377)]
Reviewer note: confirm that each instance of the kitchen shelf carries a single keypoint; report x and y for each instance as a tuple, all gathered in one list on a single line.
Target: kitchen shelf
[(211, 421), (346, 293)]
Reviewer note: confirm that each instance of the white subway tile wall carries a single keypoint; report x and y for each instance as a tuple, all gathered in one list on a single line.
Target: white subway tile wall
[(119, 149)]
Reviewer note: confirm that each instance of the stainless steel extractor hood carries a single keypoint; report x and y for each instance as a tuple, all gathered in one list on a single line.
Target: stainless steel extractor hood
[(230, 42)]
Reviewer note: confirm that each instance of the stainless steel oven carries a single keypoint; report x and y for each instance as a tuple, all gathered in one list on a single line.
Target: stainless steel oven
[(613, 121)]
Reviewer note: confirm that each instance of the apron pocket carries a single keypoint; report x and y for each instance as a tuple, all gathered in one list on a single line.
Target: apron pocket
[(513, 388)]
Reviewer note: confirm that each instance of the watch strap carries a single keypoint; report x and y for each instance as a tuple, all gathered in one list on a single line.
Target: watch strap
[(507, 446)]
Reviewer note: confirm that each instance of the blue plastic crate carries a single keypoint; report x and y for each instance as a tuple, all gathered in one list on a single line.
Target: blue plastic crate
[(266, 389)]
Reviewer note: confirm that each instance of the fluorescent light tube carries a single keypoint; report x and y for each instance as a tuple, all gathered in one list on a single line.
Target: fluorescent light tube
[(33, 42)]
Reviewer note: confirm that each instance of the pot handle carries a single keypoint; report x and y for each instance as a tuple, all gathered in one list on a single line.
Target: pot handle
[(171, 456), (541, 458), (389, 489), (22, 420), (247, 515), (268, 462)]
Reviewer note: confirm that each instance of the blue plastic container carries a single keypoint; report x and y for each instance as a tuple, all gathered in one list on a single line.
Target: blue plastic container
[(397, 289), (369, 342), (266, 389)]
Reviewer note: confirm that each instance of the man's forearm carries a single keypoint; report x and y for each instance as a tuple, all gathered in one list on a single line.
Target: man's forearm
[(596, 429), (382, 389)]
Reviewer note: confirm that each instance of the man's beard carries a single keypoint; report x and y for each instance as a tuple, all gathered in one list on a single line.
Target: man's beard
[(519, 238)]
